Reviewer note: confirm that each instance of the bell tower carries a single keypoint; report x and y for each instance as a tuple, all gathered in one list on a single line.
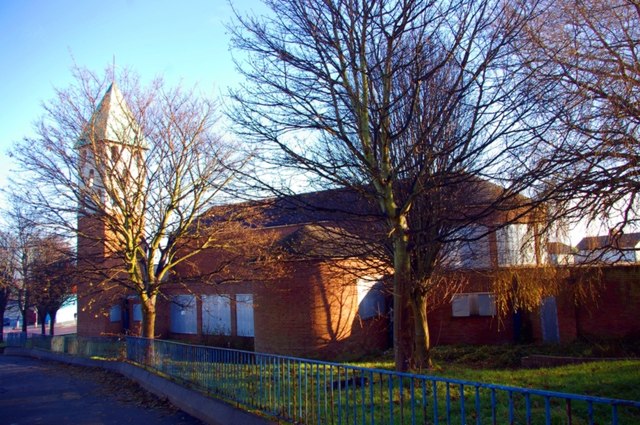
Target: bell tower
[(109, 166)]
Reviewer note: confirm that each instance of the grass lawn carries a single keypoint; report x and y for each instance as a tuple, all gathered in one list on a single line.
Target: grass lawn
[(611, 379), (501, 365), (618, 379)]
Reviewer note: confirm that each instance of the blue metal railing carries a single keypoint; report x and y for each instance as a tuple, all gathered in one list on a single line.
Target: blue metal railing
[(314, 392)]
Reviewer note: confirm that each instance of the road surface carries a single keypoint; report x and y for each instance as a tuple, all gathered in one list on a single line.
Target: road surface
[(39, 392)]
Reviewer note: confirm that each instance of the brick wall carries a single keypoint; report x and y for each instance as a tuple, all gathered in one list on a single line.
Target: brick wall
[(313, 313), (615, 314), (95, 298), (94, 314), (445, 329), (310, 311)]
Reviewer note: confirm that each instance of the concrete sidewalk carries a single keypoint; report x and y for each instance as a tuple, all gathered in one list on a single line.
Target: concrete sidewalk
[(41, 392), (206, 409)]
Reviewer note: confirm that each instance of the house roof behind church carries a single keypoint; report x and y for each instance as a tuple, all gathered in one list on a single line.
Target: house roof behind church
[(627, 240), (112, 121)]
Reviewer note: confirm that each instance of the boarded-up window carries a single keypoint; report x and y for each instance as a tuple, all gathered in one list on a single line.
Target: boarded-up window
[(486, 304), (137, 312), (371, 301), (244, 314), (115, 314), (184, 316), (216, 314), (473, 304), (460, 305)]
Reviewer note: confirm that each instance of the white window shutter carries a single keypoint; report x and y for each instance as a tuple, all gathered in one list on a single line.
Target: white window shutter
[(244, 315)]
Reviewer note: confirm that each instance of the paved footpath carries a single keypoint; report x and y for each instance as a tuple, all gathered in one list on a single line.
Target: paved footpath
[(39, 392)]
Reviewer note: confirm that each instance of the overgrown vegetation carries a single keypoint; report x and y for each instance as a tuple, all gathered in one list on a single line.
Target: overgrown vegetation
[(510, 356)]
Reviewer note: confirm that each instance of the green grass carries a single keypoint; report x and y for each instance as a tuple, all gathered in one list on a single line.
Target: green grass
[(501, 365)]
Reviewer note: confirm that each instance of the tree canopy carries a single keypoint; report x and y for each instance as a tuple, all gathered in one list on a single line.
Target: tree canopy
[(402, 101), (130, 170)]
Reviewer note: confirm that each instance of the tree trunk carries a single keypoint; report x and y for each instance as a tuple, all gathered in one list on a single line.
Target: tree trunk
[(421, 344), (148, 315), (52, 317), (25, 310), (43, 323), (401, 304), (4, 295), (148, 326)]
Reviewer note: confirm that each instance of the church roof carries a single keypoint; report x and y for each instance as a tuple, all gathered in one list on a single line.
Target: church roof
[(112, 121)]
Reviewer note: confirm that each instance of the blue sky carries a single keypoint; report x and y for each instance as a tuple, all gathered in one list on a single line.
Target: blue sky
[(184, 41)]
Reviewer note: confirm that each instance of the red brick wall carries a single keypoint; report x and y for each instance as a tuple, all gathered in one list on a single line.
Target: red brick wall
[(311, 311), (614, 314), (95, 297), (616, 311), (93, 315), (446, 330), (566, 320)]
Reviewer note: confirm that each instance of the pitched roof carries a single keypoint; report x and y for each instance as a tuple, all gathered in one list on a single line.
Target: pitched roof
[(626, 240), (331, 205), (321, 240), (349, 208), (112, 121)]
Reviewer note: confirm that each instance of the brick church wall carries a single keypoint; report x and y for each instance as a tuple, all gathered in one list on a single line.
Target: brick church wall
[(314, 313), (445, 329), (310, 311), (615, 313)]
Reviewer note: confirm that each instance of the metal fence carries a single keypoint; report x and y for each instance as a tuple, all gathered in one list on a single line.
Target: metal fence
[(313, 392)]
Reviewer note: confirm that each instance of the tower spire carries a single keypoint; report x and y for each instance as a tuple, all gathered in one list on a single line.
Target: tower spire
[(112, 121)]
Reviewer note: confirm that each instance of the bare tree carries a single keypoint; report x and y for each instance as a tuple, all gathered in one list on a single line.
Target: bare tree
[(53, 279), (19, 247), (6, 285), (400, 101), (132, 176), (581, 74)]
